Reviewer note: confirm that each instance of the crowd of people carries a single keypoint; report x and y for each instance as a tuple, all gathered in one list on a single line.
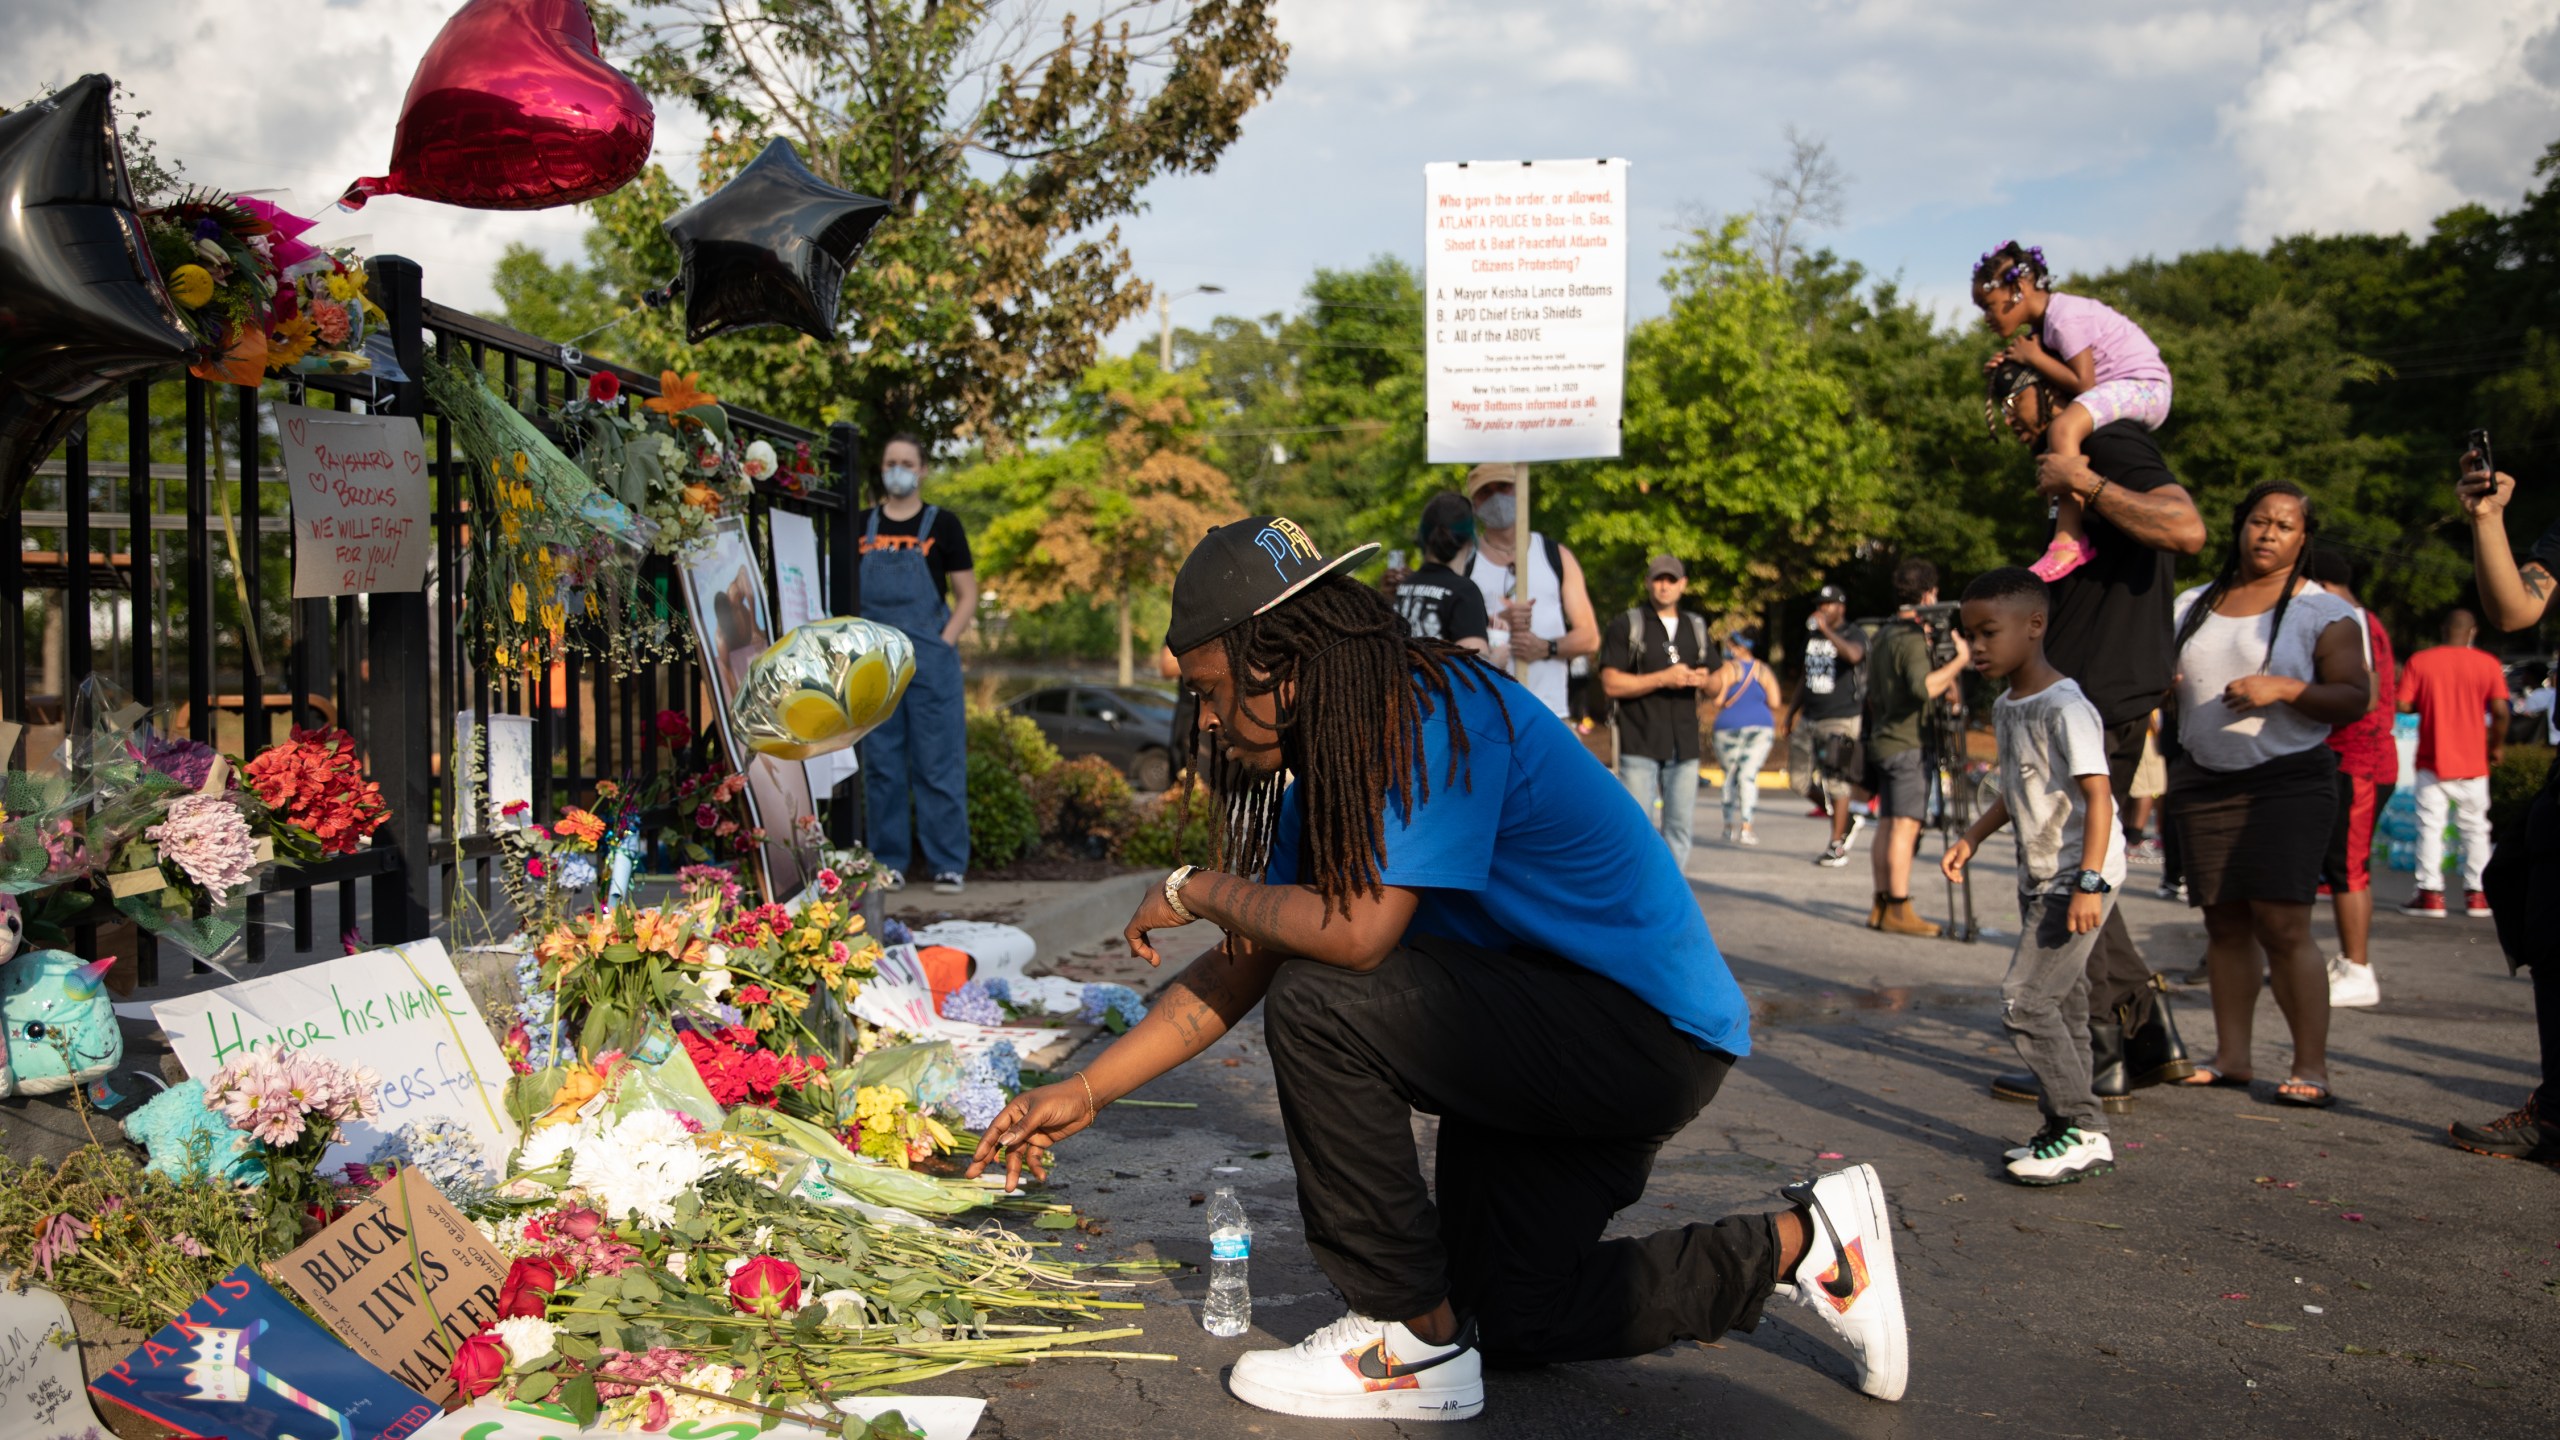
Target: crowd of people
[(1387, 783)]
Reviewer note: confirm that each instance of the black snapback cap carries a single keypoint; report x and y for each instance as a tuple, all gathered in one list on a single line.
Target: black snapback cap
[(1241, 570)]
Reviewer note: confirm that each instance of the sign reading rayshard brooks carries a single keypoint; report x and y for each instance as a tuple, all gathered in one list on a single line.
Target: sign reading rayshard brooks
[(1525, 270)]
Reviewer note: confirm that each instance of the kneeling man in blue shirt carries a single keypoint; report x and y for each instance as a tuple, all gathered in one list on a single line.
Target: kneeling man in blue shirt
[(1445, 904)]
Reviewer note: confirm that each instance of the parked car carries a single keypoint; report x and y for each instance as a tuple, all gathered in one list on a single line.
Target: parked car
[(1131, 728)]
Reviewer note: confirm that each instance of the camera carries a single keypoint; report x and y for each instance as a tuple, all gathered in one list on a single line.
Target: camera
[(1939, 623)]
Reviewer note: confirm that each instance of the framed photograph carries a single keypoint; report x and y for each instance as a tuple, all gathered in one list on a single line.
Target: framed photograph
[(724, 593)]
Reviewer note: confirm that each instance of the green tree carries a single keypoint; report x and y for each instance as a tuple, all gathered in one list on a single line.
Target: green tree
[(1007, 149), (1743, 454)]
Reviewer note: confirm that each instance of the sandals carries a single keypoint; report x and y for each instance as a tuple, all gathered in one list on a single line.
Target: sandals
[(2207, 1077), (2062, 557), (2308, 1094)]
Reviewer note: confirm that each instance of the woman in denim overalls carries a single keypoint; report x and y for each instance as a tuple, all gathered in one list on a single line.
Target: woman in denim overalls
[(919, 755)]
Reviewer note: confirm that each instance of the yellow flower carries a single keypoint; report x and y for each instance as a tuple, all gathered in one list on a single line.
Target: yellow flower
[(191, 285), (522, 464), (592, 608), (292, 340), (346, 285), (515, 601), (555, 619)]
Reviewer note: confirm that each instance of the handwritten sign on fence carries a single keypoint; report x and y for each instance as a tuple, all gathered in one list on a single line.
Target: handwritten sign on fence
[(402, 1011), (359, 487)]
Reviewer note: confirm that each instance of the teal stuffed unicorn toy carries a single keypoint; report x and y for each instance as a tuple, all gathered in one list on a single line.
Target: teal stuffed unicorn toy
[(57, 1026)]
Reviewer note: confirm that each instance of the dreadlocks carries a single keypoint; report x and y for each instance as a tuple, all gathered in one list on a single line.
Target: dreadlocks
[(2230, 571), (1354, 735)]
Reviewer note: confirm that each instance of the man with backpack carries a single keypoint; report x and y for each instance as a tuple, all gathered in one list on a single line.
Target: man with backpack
[(1823, 762), (1652, 663)]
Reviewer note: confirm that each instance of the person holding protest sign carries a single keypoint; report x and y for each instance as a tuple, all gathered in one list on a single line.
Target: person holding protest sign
[(1398, 788)]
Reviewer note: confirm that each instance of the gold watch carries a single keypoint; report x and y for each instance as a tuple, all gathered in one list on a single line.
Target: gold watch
[(1173, 893)]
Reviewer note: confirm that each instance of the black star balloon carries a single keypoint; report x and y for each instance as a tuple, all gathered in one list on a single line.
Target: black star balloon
[(770, 248), (82, 306)]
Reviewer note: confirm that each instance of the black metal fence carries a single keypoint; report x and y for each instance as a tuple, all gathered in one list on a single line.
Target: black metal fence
[(197, 610)]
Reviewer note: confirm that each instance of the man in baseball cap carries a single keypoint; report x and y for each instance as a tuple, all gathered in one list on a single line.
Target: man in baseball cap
[(1385, 797), (1823, 722)]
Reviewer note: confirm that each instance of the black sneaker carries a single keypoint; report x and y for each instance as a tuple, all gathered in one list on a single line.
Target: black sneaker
[(2520, 1134)]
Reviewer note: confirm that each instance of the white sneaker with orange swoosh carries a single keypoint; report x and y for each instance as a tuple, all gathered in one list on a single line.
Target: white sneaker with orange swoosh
[(1362, 1369), (1848, 1278)]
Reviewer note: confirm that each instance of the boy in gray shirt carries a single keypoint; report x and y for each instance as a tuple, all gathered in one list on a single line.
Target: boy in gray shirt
[(2054, 787)]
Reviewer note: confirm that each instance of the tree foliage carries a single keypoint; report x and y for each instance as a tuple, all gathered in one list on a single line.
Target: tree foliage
[(1007, 149)]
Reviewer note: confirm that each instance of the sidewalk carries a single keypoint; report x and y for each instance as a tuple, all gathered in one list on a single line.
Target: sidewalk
[(2167, 1299)]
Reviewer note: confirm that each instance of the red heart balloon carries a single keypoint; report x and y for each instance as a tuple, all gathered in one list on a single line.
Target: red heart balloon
[(513, 109)]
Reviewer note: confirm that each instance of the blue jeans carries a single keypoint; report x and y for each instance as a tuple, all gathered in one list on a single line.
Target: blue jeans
[(919, 757), (1669, 787), (1742, 752)]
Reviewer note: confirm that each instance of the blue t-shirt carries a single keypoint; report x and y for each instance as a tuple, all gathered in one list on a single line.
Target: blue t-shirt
[(1546, 849)]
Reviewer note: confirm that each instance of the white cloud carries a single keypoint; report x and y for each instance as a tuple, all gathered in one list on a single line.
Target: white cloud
[(2382, 114)]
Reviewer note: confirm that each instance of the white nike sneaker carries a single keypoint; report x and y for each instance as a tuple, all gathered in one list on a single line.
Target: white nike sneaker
[(1362, 1369), (1847, 1276), (2059, 1159), (2351, 984)]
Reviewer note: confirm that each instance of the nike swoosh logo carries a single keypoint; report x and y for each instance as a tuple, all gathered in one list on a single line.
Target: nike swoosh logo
[(1372, 1367)]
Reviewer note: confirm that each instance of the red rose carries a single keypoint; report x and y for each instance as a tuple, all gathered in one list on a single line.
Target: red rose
[(604, 387), (529, 1286), (580, 1224), (766, 1286), (673, 727), (479, 1363), (754, 995)]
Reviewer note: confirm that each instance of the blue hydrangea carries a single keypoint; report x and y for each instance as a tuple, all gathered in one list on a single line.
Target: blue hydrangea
[(977, 1102), (577, 872), (446, 1153), (1104, 1002), (894, 931), (998, 989), (972, 1003), (534, 1008), (1005, 1064)]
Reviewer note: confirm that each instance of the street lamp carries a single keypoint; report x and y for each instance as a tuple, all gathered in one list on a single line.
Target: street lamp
[(1164, 317)]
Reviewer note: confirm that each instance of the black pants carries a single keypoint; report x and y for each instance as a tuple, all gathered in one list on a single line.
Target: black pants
[(2119, 979), (1554, 1088), (2546, 1023)]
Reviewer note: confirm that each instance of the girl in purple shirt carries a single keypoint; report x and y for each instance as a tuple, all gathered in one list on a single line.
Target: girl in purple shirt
[(2082, 348)]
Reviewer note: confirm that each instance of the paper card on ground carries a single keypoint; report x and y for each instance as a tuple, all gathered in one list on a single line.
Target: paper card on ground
[(42, 1395), (403, 1278), (359, 485), (403, 1011), (243, 1362)]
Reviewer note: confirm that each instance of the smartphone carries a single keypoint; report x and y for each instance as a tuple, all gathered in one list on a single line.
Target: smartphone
[(2478, 445), (1395, 559)]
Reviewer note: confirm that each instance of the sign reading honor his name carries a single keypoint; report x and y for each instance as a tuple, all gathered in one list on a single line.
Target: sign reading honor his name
[(1525, 273), (403, 1279), (359, 486)]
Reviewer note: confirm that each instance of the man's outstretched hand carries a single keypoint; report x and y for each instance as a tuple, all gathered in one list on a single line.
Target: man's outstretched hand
[(1028, 1126)]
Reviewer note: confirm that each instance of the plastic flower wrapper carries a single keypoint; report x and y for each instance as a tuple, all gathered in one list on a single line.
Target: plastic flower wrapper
[(823, 686), (927, 1070), (556, 567)]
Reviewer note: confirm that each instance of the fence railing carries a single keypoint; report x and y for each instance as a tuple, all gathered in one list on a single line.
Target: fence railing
[(180, 481)]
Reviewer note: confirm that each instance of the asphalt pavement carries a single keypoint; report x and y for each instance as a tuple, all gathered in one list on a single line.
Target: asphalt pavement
[(2248, 1270)]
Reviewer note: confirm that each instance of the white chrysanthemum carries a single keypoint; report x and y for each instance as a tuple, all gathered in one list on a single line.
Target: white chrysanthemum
[(529, 1339), (543, 1148), (652, 1128), (682, 1407)]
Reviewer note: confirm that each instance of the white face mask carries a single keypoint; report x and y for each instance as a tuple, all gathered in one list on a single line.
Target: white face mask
[(1498, 511), (899, 480)]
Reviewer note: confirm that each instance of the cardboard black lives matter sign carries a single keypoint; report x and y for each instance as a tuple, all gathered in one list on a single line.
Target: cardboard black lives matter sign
[(404, 1279)]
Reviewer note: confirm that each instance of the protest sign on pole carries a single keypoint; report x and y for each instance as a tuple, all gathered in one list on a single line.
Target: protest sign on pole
[(1525, 278), (401, 1011), (359, 486)]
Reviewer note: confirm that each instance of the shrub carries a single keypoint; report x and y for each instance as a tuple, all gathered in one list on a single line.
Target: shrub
[(1002, 827), (1179, 827), (1084, 805), (1013, 741), (2512, 787)]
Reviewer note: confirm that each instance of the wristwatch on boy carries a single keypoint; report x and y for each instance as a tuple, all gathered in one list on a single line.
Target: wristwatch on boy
[(1173, 893), (2090, 882)]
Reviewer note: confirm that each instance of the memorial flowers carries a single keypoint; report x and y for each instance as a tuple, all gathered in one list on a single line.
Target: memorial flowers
[(292, 1103), (675, 462), (315, 782), (627, 970)]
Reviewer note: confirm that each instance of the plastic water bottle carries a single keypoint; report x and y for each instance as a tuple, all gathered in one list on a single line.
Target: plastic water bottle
[(1230, 1309)]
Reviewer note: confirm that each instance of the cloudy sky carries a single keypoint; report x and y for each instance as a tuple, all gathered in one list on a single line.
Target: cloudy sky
[(2101, 133)]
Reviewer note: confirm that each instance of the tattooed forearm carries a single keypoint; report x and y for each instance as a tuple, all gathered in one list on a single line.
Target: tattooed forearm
[(1255, 911)]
